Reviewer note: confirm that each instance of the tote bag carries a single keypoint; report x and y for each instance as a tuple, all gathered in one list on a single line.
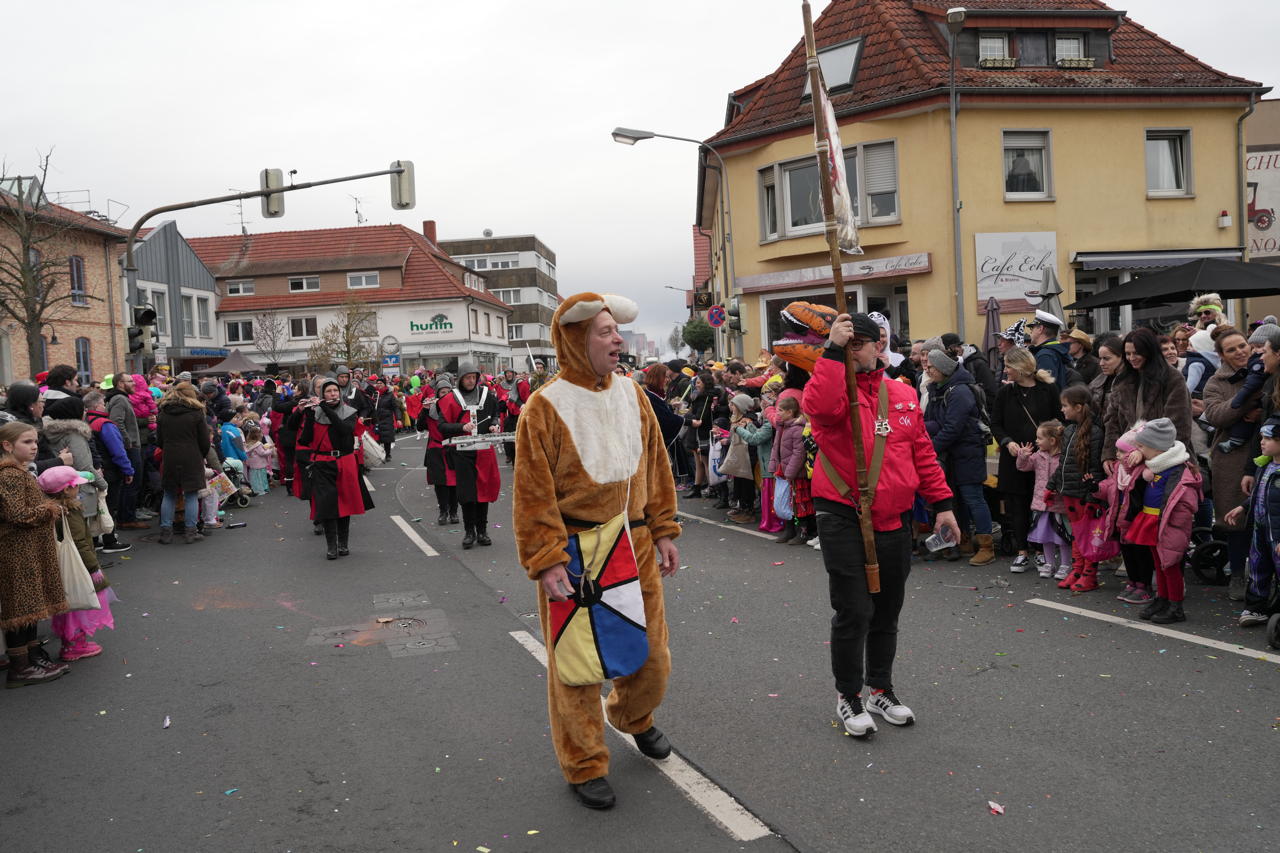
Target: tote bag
[(373, 452), (782, 498), (75, 576), (714, 477), (599, 633)]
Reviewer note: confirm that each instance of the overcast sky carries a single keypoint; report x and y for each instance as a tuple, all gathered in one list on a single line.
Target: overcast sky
[(505, 107)]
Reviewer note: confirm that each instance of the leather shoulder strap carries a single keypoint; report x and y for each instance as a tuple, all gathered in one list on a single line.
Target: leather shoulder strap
[(882, 438)]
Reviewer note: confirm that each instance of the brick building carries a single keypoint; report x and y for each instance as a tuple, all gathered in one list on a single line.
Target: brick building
[(88, 329), (521, 271)]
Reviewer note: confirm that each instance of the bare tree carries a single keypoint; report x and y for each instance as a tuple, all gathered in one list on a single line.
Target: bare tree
[(350, 338), (34, 262), (676, 339), (270, 334)]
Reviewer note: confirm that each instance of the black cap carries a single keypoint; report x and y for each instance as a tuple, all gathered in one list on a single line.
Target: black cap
[(865, 327)]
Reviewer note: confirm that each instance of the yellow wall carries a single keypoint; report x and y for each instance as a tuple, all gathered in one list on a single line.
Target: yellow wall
[(1098, 165)]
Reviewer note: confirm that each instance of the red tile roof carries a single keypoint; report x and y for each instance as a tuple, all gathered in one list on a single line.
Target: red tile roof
[(904, 56), (71, 218), (428, 273)]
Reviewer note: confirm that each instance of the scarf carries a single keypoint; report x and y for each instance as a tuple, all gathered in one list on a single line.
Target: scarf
[(1175, 455)]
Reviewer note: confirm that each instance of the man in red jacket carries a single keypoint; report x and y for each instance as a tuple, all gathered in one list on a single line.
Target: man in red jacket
[(864, 629)]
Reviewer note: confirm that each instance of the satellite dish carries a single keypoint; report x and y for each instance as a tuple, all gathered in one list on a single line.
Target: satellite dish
[(390, 345), (488, 232)]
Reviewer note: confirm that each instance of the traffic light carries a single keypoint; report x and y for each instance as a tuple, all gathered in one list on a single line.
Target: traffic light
[(273, 204), (144, 315), (135, 339), (150, 340), (735, 315), (403, 195)]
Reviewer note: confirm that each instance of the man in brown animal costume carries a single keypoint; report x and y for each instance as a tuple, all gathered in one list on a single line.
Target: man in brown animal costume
[(589, 446)]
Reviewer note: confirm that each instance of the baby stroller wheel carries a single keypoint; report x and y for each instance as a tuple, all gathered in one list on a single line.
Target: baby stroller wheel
[(1208, 559), (241, 500), (1273, 631)]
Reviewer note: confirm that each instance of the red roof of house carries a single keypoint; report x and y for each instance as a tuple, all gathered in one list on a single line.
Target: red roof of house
[(701, 256), (428, 273), (904, 55), (72, 218)]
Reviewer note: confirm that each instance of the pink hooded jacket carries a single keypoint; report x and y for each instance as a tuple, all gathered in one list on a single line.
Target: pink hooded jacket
[(144, 405)]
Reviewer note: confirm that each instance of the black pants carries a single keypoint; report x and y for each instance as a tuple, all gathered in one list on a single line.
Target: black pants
[(1138, 563), (509, 448), (20, 638), (337, 529), (1017, 514), (386, 447), (864, 627), (447, 498), (475, 515), (744, 492)]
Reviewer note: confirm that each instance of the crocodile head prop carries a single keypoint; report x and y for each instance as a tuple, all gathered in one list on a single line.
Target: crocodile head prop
[(805, 327)]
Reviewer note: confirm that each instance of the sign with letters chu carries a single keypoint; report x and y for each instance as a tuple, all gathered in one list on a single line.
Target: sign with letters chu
[(1011, 263)]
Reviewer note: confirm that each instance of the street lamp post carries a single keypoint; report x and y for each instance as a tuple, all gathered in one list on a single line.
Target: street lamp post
[(955, 23), (630, 136)]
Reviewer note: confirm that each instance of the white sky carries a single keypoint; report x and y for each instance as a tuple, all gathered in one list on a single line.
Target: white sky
[(505, 107)]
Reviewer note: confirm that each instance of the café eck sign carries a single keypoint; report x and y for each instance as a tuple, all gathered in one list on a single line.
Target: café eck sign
[(1011, 263)]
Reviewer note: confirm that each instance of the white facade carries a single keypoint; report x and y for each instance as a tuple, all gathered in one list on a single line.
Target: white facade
[(200, 325)]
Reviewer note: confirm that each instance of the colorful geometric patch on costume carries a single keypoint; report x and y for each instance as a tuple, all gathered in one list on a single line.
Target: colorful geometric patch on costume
[(599, 633)]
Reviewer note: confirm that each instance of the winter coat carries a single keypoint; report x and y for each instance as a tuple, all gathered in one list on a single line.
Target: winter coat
[(216, 405), (1177, 518), (668, 421), (1227, 468), (1088, 367), (1100, 387), (761, 438), (1016, 415), (384, 415), (910, 464), (1133, 399), (702, 408), (1054, 357), (1043, 466), (954, 424), (1069, 479), (30, 581), (183, 435), (111, 444), (1198, 368), (78, 438), (980, 369), (1271, 507), (144, 408), (787, 455), (287, 431), (120, 410), (1268, 410)]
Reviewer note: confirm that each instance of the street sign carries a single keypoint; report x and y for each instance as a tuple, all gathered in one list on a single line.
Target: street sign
[(716, 316), (701, 300), (390, 362)]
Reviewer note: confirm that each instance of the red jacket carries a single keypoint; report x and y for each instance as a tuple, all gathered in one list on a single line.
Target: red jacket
[(910, 464)]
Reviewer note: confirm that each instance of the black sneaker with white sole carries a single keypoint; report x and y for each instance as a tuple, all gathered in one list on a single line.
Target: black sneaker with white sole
[(885, 704), (857, 721), (116, 547)]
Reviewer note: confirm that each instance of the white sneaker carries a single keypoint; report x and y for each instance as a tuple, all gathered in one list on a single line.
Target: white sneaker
[(857, 721), (887, 705), (1020, 564), (815, 543), (1061, 573), (1045, 570), (1041, 565), (1252, 617)]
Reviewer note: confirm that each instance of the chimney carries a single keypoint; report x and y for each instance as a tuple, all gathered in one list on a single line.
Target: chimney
[(429, 229)]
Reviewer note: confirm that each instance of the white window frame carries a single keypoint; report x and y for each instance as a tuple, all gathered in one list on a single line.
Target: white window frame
[(1187, 190), (1046, 193), (360, 280), (304, 336), (476, 263), (160, 302), (76, 281), (502, 333), (1078, 38), (306, 283), (855, 158), (240, 287), (1004, 45), (239, 327), (475, 321), (515, 331), (203, 328), (832, 73), (188, 315)]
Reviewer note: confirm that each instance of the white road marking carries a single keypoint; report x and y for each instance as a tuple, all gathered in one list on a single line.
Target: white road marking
[(714, 801), (367, 484), (1159, 629), (735, 527), (414, 537)]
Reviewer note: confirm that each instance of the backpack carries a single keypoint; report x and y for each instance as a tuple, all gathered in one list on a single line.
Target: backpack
[(980, 400)]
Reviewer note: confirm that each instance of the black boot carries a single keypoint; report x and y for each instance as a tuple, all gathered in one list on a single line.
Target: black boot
[(695, 492), (344, 532), (1171, 613), (1155, 608), (444, 517), (318, 528), (788, 533), (469, 540), (482, 524), (331, 539), (723, 493), (482, 538)]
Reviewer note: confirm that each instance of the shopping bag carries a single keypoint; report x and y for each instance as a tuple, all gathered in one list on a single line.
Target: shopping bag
[(714, 477), (782, 498), (1097, 544), (599, 633), (75, 577), (105, 523), (373, 452)]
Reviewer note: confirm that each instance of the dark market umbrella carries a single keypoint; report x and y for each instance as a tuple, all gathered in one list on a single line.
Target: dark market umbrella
[(1051, 293), (990, 348), (1229, 279), (237, 362)]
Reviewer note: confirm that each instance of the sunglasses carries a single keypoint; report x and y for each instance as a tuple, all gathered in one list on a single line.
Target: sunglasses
[(1207, 311)]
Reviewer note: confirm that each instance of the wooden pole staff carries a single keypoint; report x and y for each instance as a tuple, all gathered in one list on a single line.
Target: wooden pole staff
[(860, 460)]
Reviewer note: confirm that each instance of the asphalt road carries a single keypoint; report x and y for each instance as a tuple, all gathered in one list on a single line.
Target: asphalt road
[(300, 722)]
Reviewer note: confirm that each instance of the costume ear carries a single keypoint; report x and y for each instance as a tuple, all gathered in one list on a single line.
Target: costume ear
[(583, 310), (623, 309)]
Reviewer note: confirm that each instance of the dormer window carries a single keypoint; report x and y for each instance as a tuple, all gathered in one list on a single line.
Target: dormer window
[(1069, 47), (993, 46), (838, 64)]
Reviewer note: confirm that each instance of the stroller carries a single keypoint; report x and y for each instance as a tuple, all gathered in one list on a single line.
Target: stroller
[(235, 490)]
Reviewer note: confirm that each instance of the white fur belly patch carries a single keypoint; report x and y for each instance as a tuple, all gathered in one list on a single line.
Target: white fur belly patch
[(604, 426)]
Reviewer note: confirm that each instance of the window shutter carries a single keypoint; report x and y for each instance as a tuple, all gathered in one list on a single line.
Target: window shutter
[(880, 168), (1020, 139)]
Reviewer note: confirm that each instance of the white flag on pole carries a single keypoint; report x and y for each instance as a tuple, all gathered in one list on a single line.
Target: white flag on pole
[(846, 228)]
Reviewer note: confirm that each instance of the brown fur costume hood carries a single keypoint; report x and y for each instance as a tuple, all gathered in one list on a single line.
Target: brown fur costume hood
[(569, 329)]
